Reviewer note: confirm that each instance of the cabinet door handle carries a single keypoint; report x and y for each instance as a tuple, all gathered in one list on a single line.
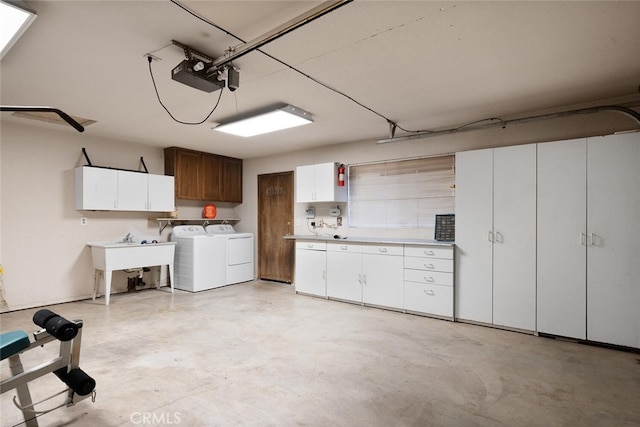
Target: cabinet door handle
[(344, 247), (324, 274), (490, 236), (429, 253), (429, 279), (593, 242), (364, 279), (499, 237), (360, 278), (583, 239), (310, 245), (428, 266), (383, 250), (429, 292)]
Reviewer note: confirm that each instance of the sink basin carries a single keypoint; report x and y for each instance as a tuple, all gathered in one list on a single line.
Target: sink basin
[(108, 244)]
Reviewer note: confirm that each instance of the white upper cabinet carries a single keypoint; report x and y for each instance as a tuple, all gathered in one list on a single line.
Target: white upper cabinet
[(96, 189), (319, 183), (103, 189), (132, 186), (161, 193)]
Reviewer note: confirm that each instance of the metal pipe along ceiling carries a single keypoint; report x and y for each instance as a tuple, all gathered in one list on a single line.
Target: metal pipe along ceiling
[(503, 123)]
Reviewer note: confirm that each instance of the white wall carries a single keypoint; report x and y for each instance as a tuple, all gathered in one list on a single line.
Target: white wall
[(43, 250)]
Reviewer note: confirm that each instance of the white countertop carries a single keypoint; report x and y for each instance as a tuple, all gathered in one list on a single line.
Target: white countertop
[(356, 239)]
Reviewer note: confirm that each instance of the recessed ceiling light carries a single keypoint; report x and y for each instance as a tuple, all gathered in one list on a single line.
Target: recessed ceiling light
[(270, 121)]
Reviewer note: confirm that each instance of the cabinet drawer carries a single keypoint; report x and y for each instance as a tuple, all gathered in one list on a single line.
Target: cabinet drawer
[(344, 247), (429, 251), (309, 245), (428, 299), (382, 249), (429, 264), (428, 277)]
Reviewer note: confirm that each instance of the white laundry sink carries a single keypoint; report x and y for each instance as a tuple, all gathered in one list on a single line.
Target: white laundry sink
[(108, 256)]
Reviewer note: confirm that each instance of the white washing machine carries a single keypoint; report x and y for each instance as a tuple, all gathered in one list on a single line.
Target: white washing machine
[(239, 252), (199, 262)]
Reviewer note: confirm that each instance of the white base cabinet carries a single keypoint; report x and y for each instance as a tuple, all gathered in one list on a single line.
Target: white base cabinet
[(428, 280), (311, 268), (365, 273)]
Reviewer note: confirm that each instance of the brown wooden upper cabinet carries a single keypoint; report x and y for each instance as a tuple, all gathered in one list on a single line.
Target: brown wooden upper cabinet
[(204, 176)]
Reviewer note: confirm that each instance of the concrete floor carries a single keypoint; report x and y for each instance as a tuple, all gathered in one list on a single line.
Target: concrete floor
[(256, 354)]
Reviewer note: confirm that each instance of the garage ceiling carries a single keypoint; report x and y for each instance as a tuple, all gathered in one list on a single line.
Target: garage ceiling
[(422, 64)]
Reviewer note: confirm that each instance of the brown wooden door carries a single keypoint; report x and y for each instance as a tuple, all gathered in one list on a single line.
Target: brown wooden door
[(275, 220)]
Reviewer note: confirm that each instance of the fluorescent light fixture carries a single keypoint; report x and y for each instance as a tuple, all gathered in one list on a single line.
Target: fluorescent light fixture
[(15, 18), (270, 121)]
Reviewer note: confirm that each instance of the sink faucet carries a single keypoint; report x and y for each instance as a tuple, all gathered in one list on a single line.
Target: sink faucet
[(128, 238)]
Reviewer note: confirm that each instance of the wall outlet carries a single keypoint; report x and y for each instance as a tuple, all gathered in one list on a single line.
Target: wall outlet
[(83, 221)]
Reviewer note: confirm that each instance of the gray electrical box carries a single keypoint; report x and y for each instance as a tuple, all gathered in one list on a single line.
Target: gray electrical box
[(310, 213)]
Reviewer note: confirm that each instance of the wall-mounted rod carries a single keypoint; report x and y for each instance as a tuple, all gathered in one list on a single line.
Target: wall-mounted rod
[(287, 27), (503, 123), (64, 116)]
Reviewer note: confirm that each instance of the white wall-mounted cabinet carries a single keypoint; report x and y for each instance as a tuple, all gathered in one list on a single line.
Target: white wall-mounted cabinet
[(366, 273), (311, 268), (116, 190), (319, 183), (496, 236)]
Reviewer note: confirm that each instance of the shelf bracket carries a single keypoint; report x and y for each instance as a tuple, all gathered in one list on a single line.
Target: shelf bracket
[(162, 227)]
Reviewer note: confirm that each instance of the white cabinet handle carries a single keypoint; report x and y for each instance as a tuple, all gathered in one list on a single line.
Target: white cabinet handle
[(310, 245), (428, 266), (430, 253), (490, 236), (344, 247), (593, 239), (499, 237), (429, 292), (429, 279), (583, 239), (324, 274), (360, 278), (383, 250), (364, 279)]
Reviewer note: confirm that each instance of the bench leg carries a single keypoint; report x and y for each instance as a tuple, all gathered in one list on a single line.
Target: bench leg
[(24, 396)]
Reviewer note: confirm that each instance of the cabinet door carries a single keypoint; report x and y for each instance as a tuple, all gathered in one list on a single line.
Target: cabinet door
[(231, 177), (325, 182), (211, 173), (562, 251), (132, 191), (344, 275), (96, 188), (188, 173), (514, 227), (161, 193), (474, 223), (383, 280), (613, 212), (311, 272), (305, 183)]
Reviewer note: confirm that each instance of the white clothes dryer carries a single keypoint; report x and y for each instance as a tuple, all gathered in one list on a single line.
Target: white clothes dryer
[(200, 259), (239, 257)]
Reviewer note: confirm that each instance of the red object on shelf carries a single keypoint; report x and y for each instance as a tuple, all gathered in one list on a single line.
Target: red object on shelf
[(209, 211), (341, 176)]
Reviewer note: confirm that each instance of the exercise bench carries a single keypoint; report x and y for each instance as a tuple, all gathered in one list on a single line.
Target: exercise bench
[(66, 366)]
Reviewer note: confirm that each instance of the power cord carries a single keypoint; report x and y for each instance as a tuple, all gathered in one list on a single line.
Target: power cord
[(150, 59)]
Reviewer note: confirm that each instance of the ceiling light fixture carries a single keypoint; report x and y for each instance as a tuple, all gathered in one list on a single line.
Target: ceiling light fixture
[(15, 18), (270, 121)]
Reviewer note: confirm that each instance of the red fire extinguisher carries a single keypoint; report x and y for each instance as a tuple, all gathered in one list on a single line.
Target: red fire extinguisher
[(341, 175)]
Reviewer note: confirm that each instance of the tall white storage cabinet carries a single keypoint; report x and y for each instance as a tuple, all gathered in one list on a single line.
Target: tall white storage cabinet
[(613, 235), (496, 236), (562, 239)]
